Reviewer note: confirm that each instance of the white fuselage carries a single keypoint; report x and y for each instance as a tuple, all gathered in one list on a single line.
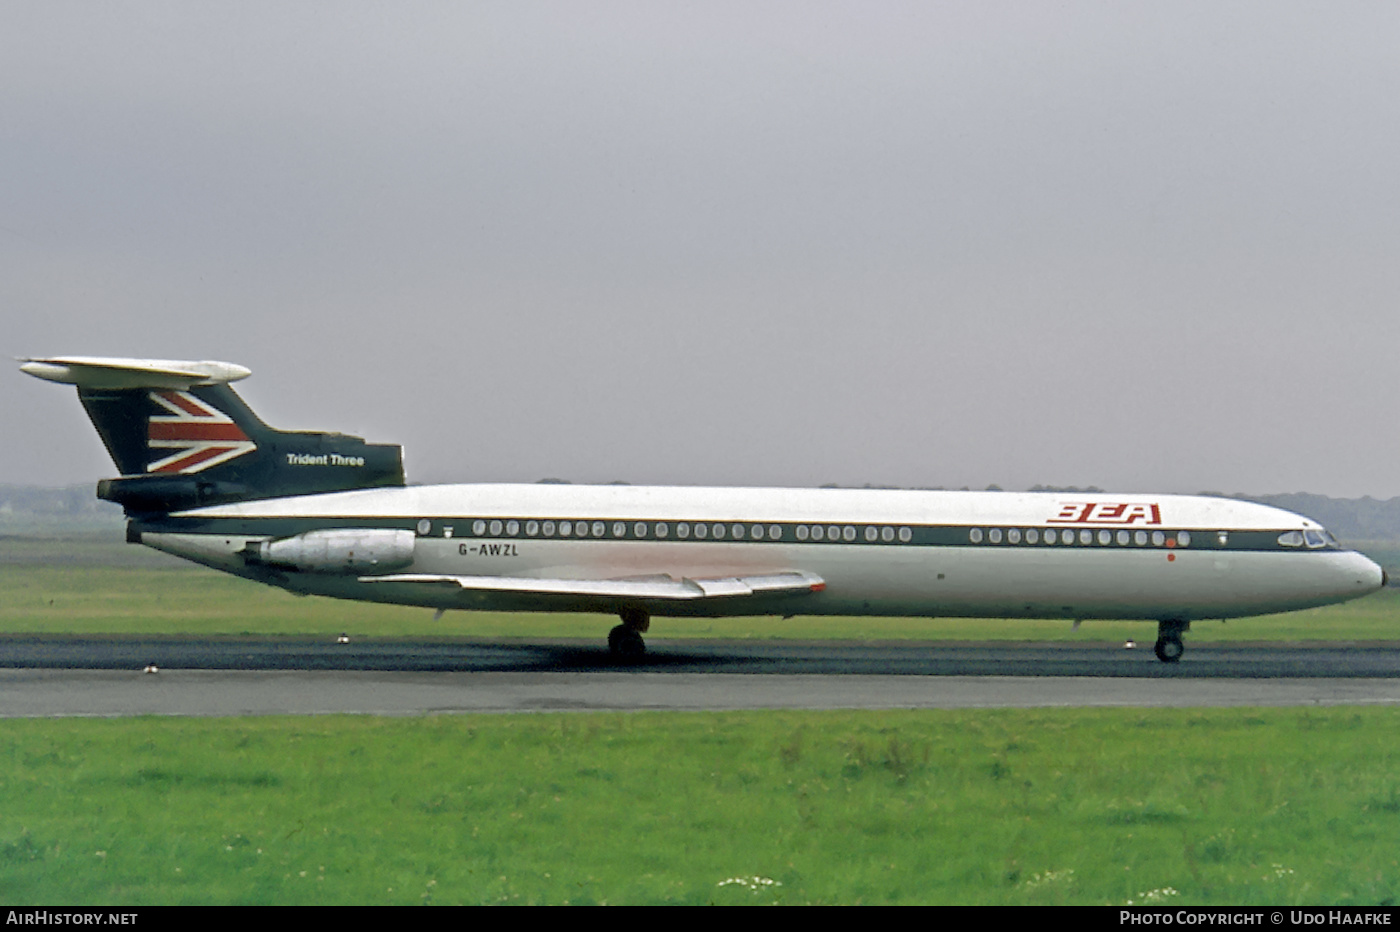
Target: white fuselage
[(980, 554)]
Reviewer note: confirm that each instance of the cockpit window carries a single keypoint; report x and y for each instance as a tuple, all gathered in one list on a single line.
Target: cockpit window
[(1312, 538)]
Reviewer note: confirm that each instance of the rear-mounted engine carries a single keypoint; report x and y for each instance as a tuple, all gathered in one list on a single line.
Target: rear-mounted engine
[(344, 550)]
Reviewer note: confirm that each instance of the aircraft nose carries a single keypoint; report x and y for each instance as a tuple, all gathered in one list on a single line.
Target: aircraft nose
[(1369, 574)]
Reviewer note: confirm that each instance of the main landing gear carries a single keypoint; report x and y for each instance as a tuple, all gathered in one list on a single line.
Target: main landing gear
[(1169, 647), (625, 641)]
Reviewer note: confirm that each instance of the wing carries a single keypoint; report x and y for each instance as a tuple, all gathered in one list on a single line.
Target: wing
[(610, 591)]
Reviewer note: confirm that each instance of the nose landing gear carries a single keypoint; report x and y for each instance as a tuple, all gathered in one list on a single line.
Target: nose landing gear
[(1169, 647)]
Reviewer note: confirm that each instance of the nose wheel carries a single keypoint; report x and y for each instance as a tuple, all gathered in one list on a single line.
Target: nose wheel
[(1169, 647), (625, 641)]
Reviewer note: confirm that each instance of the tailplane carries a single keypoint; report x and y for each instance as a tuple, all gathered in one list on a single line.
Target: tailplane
[(182, 438)]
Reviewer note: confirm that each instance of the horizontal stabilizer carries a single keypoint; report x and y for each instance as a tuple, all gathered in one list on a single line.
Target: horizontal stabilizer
[(102, 372), (665, 588)]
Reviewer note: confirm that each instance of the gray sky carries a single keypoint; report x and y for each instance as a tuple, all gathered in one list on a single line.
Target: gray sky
[(1140, 246)]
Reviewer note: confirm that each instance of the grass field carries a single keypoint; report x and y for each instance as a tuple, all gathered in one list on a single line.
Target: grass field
[(1279, 807)]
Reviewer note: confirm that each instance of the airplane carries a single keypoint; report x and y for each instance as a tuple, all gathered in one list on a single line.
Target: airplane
[(329, 514)]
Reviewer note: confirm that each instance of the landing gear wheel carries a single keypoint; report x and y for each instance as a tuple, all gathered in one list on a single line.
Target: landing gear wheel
[(626, 643), (1169, 649)]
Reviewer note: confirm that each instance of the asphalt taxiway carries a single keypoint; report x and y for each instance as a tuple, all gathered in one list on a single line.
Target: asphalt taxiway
[(107, 676)]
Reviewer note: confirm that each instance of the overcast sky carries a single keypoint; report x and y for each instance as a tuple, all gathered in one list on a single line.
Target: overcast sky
[(1149, 247)]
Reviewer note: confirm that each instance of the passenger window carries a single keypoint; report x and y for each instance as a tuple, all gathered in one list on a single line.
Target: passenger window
[(975, 535)]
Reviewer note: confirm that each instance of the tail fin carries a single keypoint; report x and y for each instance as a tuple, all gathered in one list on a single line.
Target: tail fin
[(183, 438)]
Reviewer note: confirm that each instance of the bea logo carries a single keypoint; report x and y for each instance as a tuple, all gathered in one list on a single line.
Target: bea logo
[(1117, 513)]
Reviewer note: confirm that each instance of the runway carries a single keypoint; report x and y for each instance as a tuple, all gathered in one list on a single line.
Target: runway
[(42, 677)]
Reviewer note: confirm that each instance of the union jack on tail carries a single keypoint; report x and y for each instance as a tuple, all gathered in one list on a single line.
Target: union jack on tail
[(199, 435)]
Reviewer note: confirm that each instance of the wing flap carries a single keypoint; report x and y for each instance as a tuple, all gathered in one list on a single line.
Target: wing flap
[(662, 588)]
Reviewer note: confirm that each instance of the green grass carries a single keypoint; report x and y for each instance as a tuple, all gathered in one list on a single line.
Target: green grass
[(1275, 806), (89, 586)]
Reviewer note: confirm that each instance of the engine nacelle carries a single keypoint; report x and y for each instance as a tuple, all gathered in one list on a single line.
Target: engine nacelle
[(342, 550)]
